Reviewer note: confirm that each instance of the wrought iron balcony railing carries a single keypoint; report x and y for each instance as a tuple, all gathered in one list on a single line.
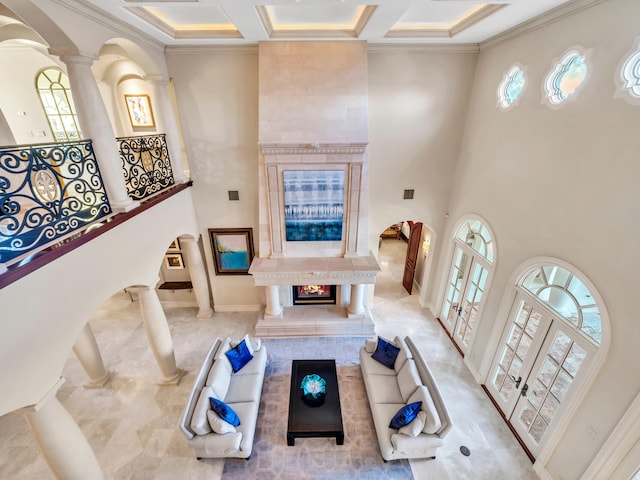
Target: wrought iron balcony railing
[(146, 164), (47, 192)]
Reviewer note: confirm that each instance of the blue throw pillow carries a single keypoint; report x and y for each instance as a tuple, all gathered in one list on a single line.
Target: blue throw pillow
[(239, 356), (405, 415), (386, 353), (224, 411)]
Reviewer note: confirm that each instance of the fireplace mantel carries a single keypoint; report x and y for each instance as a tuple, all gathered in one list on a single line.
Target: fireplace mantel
[(314, 270)]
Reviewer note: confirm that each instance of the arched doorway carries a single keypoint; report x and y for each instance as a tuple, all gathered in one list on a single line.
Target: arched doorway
[(552, 335), (468, 280)]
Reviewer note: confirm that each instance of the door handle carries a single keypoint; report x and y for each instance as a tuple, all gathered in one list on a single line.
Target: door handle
[(524, 390), (518, 380), (459, 311)]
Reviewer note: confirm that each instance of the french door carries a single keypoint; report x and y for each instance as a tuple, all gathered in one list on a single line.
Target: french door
[(537, 361), (464, 295)]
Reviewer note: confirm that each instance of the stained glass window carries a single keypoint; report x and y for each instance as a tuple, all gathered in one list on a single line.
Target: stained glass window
[(511, 87), (55, 95), (566, 77), (631, 74)]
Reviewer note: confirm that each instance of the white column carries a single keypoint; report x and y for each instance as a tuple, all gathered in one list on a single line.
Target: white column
[(95, 125), (170, 125), (88, 353), (159, 335), (60, 440), (274, 307), (356, 306), (195, 264)]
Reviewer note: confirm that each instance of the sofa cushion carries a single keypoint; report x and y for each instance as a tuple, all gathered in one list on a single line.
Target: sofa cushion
[(432, 423), (385, 353), (199, 422), (413, 428), (235, 343), (255, 366), (405, 415), (219, 378), (408, 379), (370, 366), (225, 412), (384, 389), (403, 354), (220, 426), (248, 412), (239, 356), (244, 388)]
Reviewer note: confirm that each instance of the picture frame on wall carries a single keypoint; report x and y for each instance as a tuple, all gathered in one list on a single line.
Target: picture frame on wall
[(173, 261), (175, 246), (140, 111), (232, 250)]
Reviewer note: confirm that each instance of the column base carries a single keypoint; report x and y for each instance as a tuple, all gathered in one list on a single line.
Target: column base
[(126, 207), (173, 380), (277, 316), (205, 313), (362, 314), (99, 382)]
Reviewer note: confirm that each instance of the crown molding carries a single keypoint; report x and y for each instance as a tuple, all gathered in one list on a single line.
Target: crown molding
[(423, 48), (552, 16), (212, 49)]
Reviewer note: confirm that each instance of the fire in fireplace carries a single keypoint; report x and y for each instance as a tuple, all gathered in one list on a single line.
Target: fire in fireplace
[(314, 294)]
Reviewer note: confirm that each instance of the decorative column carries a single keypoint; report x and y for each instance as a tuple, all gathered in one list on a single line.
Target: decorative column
[(274, 307), (356, 306), (195, 264), (95, 124), (60, 440), (159, 335), (88, 353), (170, 126)]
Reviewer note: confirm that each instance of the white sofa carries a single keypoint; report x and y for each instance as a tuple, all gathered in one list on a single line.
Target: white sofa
[(389, 389), (241, 391)]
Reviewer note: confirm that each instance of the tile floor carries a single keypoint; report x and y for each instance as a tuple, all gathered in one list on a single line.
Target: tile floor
[(132, 423)]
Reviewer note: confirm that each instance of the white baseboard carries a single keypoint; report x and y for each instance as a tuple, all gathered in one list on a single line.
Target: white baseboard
[(169, 304), (542, 471), (476, 374)]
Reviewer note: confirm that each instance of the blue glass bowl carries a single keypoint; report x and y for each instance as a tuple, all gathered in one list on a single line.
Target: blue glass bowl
[(314, 388)]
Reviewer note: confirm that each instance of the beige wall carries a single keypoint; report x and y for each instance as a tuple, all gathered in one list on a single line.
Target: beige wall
[(562, 183), (217, 92)]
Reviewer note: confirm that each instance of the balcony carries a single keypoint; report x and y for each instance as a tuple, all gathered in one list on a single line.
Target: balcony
[(53, 194)]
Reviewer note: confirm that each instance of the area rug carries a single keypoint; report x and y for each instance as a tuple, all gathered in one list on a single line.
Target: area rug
[(315, 458)]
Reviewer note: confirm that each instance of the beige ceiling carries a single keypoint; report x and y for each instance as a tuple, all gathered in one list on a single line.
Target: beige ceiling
[(177, 22)]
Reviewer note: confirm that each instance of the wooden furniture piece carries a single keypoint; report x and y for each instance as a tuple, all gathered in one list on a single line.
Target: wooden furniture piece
[(307, 421)]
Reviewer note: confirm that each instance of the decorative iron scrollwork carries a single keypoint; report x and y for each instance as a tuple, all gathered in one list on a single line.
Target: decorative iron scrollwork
[(146, 165), (47, 191)]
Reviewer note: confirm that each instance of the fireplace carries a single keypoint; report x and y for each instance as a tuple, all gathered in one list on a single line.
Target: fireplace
[(314, 294)]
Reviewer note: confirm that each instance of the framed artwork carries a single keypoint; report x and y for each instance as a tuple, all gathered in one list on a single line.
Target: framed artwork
[(173, 261), (175, 246), (139, 109), (313, 205), (232, 250)]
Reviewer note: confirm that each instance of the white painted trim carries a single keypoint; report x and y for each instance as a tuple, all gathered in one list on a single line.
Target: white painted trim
[(618, 444), (542, 471), (422, 48), (472, 369)]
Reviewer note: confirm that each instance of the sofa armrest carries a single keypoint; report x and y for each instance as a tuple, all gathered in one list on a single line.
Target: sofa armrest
[(217, 445), (422, 446), (430, 382), (185, 422)]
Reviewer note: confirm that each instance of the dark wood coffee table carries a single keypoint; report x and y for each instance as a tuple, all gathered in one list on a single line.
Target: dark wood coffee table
[(314, 421)]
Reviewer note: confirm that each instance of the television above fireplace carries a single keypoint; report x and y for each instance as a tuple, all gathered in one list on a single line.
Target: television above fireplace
[(314, 294)]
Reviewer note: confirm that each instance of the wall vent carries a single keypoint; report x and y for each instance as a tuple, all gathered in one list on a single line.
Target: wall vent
[(408, 194), (234, 195)]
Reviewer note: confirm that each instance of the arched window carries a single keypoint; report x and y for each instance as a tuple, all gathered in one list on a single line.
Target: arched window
[(472, 262), (565, 78), (55, 95), (511, 87), (554, 330)]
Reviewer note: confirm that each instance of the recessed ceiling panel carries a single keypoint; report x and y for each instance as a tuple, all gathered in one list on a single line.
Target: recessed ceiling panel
[(192, 17), (442, 15), (296, 17)]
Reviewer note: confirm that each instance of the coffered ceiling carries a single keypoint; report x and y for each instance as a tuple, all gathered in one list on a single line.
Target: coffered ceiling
[(192, 22)]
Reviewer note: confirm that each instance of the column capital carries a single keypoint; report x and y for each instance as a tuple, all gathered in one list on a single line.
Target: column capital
[(74, 57)]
